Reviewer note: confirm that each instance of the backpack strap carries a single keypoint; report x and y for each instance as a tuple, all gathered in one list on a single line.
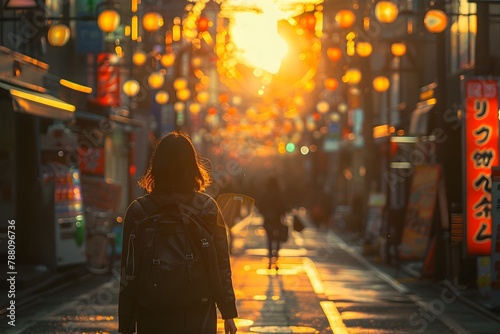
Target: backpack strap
[(146, 208), (204, 234), (150, 208), (130, 269)]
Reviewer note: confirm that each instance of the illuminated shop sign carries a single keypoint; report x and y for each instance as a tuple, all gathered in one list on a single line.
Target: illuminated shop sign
[(481, 154)]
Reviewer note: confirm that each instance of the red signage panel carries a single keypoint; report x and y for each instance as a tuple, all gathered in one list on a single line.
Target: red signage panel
[(92, 160), (481, 154), (108, 81)]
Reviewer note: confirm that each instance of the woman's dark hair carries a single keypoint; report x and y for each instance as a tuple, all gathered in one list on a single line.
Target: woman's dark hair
[(175, 166)]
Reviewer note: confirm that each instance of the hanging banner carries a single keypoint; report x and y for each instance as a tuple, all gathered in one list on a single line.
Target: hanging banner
[(480, 154)]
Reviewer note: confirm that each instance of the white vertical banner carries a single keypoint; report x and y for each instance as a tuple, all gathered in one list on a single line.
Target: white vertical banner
[(495, 238)]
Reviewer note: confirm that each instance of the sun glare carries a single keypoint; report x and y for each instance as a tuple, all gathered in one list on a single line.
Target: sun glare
[(268, 48), (256, 38)]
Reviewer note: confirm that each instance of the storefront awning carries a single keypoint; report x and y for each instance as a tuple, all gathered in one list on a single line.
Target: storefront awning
[(419, 119), (122, 120), (38, 104), (101, 120), (89, 116)]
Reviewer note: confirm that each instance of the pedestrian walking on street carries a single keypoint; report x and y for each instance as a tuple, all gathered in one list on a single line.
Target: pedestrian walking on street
[(175, 175), (273, 209)]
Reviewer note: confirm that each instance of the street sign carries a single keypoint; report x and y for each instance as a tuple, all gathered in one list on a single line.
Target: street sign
[(88, 37), (331, 142)]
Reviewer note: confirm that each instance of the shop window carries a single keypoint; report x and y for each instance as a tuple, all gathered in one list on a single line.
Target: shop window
[(463, 30)]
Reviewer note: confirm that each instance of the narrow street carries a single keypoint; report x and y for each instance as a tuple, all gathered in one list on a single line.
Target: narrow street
[(377, 121), (322, 286)]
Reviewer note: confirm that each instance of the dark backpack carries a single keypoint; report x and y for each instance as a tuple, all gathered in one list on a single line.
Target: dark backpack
[(172, 254)]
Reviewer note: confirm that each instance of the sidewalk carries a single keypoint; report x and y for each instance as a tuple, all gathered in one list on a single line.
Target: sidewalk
[(271, 301), (407, 274), (30, 281)]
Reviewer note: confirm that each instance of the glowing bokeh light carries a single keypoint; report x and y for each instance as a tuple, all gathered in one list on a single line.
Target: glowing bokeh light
[(435, 21), (168, 59), (161, 97), (58, 35)]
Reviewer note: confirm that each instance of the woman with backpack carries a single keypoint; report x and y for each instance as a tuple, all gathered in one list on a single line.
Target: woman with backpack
[(175, 179)]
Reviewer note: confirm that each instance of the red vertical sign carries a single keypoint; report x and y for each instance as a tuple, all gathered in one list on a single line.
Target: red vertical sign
[(108, 81), (481, 154)]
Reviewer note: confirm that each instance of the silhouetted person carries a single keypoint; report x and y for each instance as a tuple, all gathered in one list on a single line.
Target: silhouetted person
[(273, 209)]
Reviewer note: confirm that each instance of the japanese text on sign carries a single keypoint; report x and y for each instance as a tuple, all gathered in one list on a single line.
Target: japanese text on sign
[(481, 154)]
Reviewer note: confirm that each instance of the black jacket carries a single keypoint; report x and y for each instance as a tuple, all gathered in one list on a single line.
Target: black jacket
[(208, 211)]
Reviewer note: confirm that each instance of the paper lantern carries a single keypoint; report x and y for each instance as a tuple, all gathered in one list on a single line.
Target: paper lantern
[(364, 49), (381, 84), (435, 21), (180, 83), (156, 80), (131, 87), (203, 24), (108, 20), (195, 108), (139, 58), (152, 21), (352, 76), (334, 53), (398, 49), (168, 59), (179, 106), (58, 34), (183, 94), (161, 97), (331, 83), (345, 18), (386, 11), (203, 97)]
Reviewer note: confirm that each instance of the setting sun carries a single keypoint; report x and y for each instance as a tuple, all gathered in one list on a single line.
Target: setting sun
[(256, 38)]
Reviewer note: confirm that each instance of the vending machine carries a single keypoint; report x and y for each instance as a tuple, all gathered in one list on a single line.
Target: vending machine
[(68, 204)]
